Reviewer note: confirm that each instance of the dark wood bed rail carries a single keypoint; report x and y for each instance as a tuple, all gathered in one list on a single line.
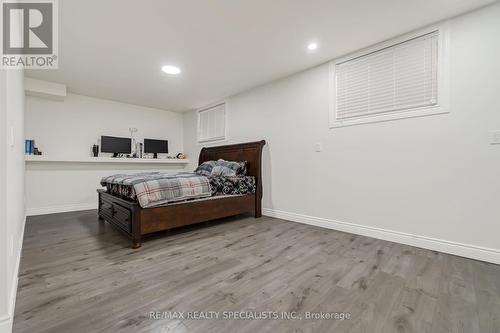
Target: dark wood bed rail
[(135, 221)]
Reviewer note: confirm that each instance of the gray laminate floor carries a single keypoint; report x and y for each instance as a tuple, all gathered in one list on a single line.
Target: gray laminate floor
[(79, 276)]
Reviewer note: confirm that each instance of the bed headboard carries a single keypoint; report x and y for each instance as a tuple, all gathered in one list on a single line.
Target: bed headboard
[(249, 151)]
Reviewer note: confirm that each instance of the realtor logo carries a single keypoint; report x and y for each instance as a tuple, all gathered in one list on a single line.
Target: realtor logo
[(29, 34)]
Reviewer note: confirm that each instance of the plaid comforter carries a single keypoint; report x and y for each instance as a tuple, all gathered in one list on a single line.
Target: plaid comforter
[(157, 188)]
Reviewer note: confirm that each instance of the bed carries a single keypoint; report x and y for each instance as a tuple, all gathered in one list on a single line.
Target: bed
[(134, 221)]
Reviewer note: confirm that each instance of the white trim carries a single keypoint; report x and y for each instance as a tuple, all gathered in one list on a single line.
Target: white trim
[(443, 79), (441, 245), (5, 324), (7, 320), (212, 140), (60, 209)]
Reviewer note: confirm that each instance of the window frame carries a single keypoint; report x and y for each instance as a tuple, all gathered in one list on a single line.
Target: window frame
[(198, 123), (443, 80)]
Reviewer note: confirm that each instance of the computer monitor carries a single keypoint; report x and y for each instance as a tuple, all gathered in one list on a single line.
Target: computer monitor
[(155, 146), (111, 144)]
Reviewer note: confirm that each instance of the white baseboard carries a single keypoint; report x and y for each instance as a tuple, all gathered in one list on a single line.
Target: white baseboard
[(455, 248), (5, 324), (60, 209)]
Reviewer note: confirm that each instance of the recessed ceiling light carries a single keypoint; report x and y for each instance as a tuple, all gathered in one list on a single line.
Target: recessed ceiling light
[(171, 70), (312, 46)]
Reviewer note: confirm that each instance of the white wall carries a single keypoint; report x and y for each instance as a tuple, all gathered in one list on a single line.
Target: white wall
[(431, 181), (12, 209), (4, 276), (68, 129)]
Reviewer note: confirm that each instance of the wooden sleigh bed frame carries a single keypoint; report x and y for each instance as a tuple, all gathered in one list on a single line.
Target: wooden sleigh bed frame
[(135, 221)]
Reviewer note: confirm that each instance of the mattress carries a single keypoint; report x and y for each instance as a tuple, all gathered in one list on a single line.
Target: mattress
[(219, 187), (156, 188)]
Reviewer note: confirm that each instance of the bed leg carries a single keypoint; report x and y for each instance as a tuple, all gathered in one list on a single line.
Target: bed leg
[(136, 243), (258, 210), (101, 220)]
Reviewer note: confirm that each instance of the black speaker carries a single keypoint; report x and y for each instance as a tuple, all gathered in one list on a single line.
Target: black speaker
[(95, 150)]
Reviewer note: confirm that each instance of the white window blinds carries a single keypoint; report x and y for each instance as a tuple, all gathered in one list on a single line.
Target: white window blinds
[(212, 123), (402, 77)]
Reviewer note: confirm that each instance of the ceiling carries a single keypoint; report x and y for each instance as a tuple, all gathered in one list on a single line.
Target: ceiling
[(115, 49)]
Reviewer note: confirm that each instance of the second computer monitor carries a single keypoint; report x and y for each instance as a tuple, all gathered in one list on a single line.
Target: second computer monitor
[(152, 146)]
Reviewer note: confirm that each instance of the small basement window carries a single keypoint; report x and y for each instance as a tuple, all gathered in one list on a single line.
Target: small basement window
[(212, 123), (399, 79)]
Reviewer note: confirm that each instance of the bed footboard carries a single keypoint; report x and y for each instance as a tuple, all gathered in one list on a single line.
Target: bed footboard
[(122, 214), (135, 222)]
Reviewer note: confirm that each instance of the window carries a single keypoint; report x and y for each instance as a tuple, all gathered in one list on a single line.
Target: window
[(399, 79), (212, 123)]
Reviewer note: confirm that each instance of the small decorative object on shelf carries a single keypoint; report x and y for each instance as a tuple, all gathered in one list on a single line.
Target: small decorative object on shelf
[(29, 146), (181, 156), (133, 130), (30, 149), (139, 149)]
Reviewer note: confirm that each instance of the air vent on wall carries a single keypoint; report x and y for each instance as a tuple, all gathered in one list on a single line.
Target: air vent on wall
[(44, 89)]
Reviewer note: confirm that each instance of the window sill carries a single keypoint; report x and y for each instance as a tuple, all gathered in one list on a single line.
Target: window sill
[(213, 141), (390, 116)]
